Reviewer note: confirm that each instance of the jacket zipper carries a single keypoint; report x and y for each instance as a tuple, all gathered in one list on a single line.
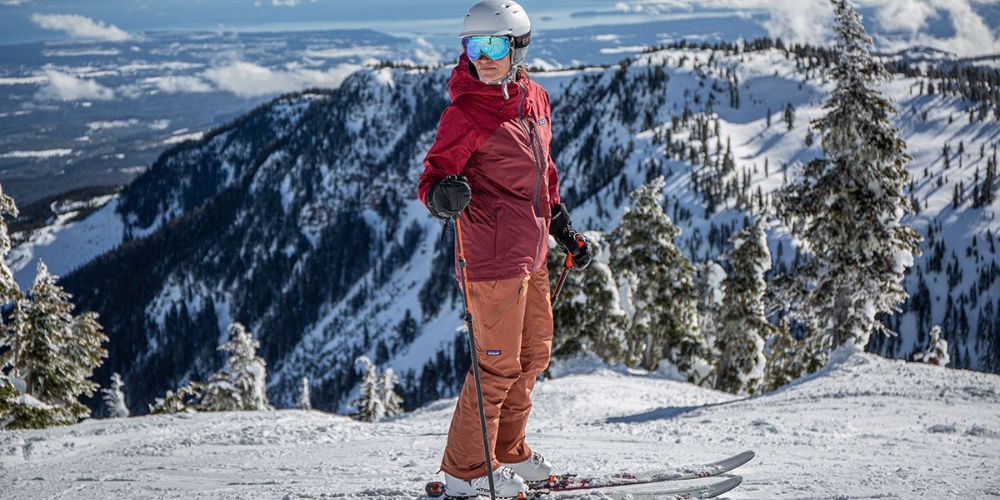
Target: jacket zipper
[(538, 172)]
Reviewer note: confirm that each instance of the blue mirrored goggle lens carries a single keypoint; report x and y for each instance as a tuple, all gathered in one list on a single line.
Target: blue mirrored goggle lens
[(495, 47)]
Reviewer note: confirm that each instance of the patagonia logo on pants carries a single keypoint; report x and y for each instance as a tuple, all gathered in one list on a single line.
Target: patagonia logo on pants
[(493, 352)]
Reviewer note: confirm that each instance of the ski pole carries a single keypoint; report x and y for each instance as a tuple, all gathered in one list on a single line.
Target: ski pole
[(566, 267), (562, 278), (460, 255)]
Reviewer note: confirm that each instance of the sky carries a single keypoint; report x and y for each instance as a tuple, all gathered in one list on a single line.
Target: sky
[(965, 27)]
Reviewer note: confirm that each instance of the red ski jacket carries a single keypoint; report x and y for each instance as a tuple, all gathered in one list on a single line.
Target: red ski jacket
[(502, 147)]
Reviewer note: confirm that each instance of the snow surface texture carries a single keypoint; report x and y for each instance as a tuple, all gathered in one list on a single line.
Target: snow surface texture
[(864, 427), (64, 245)]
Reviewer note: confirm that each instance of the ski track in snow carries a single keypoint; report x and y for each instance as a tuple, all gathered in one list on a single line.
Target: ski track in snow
[(865, 427)]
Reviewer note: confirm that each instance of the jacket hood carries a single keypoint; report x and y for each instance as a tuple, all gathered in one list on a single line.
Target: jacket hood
[(462, 82)]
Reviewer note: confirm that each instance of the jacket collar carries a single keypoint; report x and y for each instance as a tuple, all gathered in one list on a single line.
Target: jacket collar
[(462, 82)]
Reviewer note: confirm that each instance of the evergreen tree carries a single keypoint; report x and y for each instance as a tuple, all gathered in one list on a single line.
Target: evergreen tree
[(784, 358), (391, 401), (937, 349), (588, 315), (789, 116), (185, 399), (19, 410), (407, 329), (660, 296), (846, 207), (9, 290), (304, 398), (114, 399), (369, 406), (58, 351), (708, 280), (743, 328), (242, 383)]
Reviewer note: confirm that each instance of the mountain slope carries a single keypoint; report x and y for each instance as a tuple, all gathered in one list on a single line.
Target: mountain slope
[(865, 427), (266, 222), (300, 220)]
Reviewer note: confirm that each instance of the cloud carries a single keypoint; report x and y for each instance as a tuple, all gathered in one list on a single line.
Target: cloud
[(247, 79), (80, 27), (280, 3), (176, 84), (799, 20), (901, 23), (66, 87), (972, 36), (13, 3), (904, 15)]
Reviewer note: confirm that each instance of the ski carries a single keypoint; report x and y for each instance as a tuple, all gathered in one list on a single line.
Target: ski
[(679, 492), (569, 482), (565, 483)]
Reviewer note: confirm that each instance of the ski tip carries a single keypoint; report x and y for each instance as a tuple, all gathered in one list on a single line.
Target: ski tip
[(726, 486)]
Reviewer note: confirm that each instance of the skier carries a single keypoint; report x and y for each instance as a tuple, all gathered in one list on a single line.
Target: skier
[(490, 164)]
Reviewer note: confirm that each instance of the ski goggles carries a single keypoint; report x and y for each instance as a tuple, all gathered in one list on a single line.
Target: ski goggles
[(495, 47)]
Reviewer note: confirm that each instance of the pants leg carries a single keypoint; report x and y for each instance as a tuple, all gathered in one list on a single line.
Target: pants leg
[(536, 346), (498, 309)]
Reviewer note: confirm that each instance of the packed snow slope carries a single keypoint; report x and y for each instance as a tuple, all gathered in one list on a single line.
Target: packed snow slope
[(864, 427)]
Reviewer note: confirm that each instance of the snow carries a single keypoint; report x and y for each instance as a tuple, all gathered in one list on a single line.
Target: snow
[(181, 137), (864, 427), (63, 245), (42, 154)]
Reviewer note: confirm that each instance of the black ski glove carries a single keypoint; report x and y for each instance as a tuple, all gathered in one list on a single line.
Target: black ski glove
[(449, 196), (575, 243)]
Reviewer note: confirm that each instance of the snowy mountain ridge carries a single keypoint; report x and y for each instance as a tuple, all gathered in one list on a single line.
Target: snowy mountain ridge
[(864, 427), (328, 183)]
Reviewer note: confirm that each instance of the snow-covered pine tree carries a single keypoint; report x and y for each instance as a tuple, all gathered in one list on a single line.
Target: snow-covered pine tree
[(743, 328), (17, 409), (391, 401), (114, 398), (660, 297), (937, 349), (242, 383), (784, 358), (185, 399), (369, 405), (708, 280), (588, 315), (846, 207), (305, 402), (9, 290), (59, 352)]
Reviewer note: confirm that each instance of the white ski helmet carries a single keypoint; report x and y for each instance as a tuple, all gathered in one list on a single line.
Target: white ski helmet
[(502, 18)]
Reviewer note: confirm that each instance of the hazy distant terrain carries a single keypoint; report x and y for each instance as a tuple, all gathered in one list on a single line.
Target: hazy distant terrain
[(76, 114), (90, 94)]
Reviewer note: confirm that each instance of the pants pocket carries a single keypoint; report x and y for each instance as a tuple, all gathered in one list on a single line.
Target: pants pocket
[(502, 303)]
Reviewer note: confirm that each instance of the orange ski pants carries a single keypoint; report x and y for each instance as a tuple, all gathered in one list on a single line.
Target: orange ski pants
[(512, 320)]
